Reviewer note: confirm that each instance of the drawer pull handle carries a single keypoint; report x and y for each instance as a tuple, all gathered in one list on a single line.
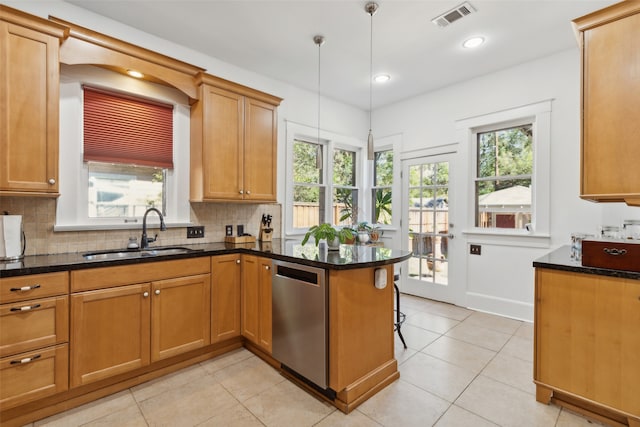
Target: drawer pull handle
[(26, 307), (25, 288), (25, 360), (614, 251)]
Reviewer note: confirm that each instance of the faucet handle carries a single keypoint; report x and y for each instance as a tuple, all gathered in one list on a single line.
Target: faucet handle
[(152, 239)]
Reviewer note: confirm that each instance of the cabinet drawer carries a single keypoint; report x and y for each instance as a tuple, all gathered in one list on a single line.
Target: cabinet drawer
[(33, 286), (615, 255), (29, 376), (33, 324)]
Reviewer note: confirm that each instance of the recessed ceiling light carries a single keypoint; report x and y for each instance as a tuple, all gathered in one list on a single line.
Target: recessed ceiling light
[(473, 42), (136, 74), (382, 78)]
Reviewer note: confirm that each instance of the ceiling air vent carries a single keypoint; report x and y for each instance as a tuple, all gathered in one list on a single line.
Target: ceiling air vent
[(453, 15)]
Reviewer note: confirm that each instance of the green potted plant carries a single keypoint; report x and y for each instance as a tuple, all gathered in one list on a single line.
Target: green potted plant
[(327, 232), (363, 232)]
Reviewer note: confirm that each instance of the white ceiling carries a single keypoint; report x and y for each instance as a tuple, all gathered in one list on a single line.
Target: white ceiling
[(275, 39)]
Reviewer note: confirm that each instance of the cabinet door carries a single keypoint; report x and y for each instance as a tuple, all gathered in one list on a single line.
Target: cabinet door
[(180, 311), (265, 329), (225, 297), (611, 101), (110, 332), (587, 340), (222, 158), (29, 97), (260, 150), (250, 297)]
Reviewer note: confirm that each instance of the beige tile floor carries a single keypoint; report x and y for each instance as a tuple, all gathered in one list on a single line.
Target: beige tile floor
[(462, 368)]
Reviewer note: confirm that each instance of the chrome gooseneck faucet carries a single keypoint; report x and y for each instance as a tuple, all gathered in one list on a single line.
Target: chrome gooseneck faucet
[(144, 242)]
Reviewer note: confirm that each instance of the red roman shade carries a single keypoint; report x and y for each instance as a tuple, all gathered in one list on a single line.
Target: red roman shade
[(120, 128)]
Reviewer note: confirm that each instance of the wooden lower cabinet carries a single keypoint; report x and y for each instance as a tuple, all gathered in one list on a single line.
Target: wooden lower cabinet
[(587, 344), (180, 315), (265, 305), (33, 324), (34, 335), (33, 375), (256, 301), (110, 332), (225, 297), (119, 329)]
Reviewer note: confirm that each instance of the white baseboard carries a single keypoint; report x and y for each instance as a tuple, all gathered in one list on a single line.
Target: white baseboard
[(501, 306)]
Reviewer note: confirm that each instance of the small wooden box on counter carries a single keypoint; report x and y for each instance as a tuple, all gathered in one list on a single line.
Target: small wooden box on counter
[(240, 239), (615, 254)]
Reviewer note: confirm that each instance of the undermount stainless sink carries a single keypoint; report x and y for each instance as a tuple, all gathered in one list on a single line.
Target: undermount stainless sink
[(137, 253)]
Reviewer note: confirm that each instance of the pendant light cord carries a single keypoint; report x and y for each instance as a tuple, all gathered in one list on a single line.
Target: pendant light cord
[(319, 40), (370, 71)]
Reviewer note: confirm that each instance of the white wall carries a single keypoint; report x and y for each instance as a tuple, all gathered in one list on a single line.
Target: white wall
[(501, 279)]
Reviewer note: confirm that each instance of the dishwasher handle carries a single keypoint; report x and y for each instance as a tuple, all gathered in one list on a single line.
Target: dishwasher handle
[(297, 274)]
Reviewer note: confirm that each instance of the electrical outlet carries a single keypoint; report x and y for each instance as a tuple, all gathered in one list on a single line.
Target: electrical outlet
[(475, 250), (195, 232), (241, 230), (228, 230)]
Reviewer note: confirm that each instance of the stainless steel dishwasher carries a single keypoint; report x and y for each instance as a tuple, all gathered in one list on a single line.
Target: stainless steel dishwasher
[(300, 321)]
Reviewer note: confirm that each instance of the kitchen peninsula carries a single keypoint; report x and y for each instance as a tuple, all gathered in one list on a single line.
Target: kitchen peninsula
[(168, 311), (586, 340)]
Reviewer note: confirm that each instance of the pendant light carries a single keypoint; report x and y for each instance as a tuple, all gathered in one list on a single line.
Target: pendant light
[(371, 9), (319, 41)]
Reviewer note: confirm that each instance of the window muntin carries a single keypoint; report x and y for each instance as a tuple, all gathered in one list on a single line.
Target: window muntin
[(503, 183), (381, 191)]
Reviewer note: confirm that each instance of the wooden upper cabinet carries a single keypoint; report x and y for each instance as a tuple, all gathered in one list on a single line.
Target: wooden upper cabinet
[(610, 149), (260, 150), (233, 143), (29, 103)]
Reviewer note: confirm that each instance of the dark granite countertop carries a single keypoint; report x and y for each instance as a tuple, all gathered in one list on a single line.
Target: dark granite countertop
[(348, 257), (560, 259)]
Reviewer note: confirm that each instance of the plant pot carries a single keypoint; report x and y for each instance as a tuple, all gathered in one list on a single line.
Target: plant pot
[(363, 237), (334, 244)]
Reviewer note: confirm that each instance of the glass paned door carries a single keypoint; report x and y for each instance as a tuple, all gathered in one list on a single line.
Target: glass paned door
[(426, 227)]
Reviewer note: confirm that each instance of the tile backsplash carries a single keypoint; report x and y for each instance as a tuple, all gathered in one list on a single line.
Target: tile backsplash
[(39, 214)]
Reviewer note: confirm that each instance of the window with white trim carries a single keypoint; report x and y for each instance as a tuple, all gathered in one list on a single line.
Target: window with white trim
[(323, 179), (530, 127), (113, 193), (503, 184)]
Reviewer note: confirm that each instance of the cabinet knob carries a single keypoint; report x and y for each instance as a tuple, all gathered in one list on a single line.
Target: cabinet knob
[(146, 294), (241, 192), (237, 261), (157, 292), (52, 181), (267, 267), (248, 192)]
